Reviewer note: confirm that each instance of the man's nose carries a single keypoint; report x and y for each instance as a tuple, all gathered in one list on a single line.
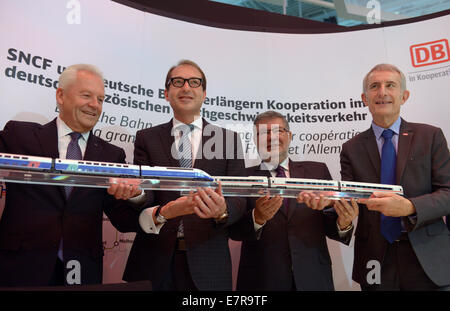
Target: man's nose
[(186, 85), (382, 90), (93, 103)]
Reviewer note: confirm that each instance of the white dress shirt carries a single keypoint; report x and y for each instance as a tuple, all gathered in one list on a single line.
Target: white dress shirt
[(146, 217), (64, 138)]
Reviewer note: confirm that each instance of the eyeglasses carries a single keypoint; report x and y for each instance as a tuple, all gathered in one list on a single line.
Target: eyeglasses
[(276, 131), (179, 82)]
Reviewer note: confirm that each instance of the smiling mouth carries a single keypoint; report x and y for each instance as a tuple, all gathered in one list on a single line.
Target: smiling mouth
[(92, 114), (185, 97)]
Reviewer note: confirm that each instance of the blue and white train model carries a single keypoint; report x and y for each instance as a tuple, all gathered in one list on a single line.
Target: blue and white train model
[(64, 166)]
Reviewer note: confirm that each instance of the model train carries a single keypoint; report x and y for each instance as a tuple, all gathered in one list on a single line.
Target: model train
[(96, 168), (303, 184)]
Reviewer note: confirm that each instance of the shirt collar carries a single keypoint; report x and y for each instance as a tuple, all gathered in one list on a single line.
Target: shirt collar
[(378, 130), (198, 123), (64, 130), (270, 167)]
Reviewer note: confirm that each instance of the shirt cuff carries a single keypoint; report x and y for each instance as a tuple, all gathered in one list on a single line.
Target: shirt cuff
[(138, 200), (146, 221), (256, 225)]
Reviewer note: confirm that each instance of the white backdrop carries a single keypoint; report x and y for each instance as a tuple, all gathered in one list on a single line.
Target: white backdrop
[(315, 80)]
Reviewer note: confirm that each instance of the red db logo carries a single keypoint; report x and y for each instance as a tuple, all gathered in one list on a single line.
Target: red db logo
[(430, 53)]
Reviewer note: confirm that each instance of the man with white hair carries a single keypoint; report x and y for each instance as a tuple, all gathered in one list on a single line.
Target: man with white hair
[(48, 231)]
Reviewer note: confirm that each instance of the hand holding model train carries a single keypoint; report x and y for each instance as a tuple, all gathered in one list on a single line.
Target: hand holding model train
[(346, 212), (124, 188)]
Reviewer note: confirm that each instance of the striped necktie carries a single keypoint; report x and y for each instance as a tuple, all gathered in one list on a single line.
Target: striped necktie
[(185, 154)]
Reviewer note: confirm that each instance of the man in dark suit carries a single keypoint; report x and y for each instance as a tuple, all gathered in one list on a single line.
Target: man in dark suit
[(406, 236), (47, 232), (284, 243), (182, 241)]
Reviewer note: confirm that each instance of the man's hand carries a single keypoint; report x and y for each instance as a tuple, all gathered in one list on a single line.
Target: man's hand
[(313, 201), (266, 207), (346, 212), (389, 204), (179, 207), (210, 203), (124, 188)]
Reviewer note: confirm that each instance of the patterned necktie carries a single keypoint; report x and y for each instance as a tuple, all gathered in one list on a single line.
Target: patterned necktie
[(185, 153), (390, 226), (73, 152), (184, 146), (281, 173)]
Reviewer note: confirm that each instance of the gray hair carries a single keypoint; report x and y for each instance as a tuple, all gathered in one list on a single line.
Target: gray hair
[(270, 115), (69, 75), (385, 67)]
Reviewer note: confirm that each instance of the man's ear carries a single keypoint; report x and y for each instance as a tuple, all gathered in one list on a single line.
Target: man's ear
[(59, 96), (364, 99)]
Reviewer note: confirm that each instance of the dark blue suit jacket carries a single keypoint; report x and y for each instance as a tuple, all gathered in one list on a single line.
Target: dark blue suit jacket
[(36, 217), (290, 246)]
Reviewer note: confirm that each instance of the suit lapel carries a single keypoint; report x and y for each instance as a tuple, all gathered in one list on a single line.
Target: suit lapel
[(167, 140), (296, 170), (260, 172), (370, 145), (201, 161), (47, 136), (93, 149), (404, 147)]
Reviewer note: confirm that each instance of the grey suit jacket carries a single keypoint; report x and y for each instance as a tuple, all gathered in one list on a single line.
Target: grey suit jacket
[(207, 242), (423, 169)]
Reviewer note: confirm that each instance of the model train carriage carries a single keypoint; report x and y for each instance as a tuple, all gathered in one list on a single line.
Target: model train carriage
[(174, 172), (244, 182), (96, 168), (304, 184), (17, 161), (351, 186)]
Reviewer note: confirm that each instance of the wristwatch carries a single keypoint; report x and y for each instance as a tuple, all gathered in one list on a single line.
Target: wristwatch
[(222, 218), (160, 218)]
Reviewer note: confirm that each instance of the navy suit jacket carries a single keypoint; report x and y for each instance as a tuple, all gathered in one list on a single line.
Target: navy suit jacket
[(36, 217), (423, 169), (206, 241), (289, 246)]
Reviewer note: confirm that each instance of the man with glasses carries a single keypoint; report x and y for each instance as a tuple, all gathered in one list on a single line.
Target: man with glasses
[(284, 245), (182, 241)]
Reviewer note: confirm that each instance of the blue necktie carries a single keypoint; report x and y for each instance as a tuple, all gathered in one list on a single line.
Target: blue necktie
[(185, 153), (390, 226), (281, 173)]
